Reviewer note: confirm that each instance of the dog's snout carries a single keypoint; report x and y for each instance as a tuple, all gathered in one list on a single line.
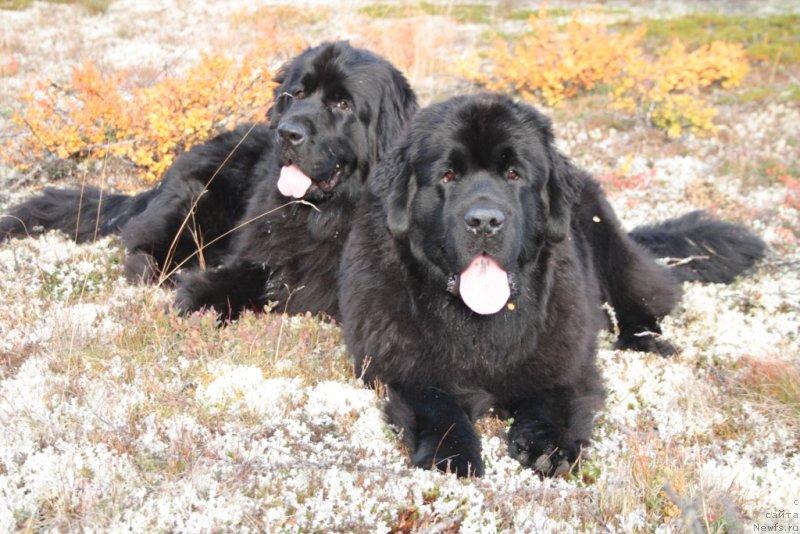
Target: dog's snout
[(292, 132), (484, 220)]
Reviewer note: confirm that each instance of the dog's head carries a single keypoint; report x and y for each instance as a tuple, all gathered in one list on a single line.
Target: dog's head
[(336, 110), (476, 189)]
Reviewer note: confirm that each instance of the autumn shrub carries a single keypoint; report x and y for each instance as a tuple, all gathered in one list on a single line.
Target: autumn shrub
[(99, 114), (9, 67), (670, 86), (618, 180), (551, 63)]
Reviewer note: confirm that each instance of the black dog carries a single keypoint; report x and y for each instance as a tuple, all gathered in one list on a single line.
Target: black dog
[(336, 108), (474, 277)]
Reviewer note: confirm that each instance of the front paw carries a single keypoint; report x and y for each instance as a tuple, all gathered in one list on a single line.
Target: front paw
[(459, 464), (192, 295), (185, 302), (646, 342), (539, 446), (464, 462), (141, 268)]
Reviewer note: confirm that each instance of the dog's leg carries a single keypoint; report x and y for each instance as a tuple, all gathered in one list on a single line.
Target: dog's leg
[(436, 430), (549, 430), (229, 290), (150, 237), (640, 291)]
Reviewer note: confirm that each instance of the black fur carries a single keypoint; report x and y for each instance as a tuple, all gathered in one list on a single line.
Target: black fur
[(551, 228), (444, 365), (84, 214), (639, 291), (199, 201), (700, 248), (349, 105)]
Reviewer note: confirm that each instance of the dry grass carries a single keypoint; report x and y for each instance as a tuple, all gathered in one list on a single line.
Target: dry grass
[(772, 381)]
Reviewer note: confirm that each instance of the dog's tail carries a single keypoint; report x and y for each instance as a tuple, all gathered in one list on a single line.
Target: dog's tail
[(699, 247), (83, 214)]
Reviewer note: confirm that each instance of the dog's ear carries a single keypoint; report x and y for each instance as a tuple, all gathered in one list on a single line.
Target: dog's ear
[(398, 106), (281, 73), (279, 94), (561, 189), (394, 183), (561, 192)]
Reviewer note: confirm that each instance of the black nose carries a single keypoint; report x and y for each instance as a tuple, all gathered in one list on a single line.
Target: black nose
[(292, 132), (484, 220)]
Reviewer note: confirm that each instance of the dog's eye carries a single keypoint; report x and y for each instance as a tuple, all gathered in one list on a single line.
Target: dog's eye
[(343, 105), (448, 177), (299, 94), (512, 175)]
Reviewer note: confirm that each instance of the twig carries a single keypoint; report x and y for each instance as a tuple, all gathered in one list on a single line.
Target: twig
[(612, 315), (238, 226), (284, 319), (675, 262), (173, 246)]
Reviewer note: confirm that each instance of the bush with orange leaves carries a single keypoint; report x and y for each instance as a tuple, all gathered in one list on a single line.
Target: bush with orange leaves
[(551, 63), (670, 86), (98, 115)]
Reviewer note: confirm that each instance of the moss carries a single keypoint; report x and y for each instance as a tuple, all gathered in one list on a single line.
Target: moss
[(757, 94), (471, 13), (525, 14), (463, 13), (15, 4), (93, 6), (747, 95), (771, 39)]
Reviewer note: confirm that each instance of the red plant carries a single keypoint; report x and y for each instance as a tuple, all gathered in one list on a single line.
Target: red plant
[(792, 183)]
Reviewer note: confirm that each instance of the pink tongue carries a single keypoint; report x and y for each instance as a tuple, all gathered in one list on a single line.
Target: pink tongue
[(293, 182), (484, 286)]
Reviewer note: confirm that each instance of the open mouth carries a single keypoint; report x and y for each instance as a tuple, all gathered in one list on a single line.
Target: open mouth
[(294, 183), (484, 286), (331, 182)]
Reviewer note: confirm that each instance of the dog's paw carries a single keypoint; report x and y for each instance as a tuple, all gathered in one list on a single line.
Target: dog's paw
[(184, 302), (141, 268), (448, 457), (538, 446), (461, 464), (189, 295), (646, 342)]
